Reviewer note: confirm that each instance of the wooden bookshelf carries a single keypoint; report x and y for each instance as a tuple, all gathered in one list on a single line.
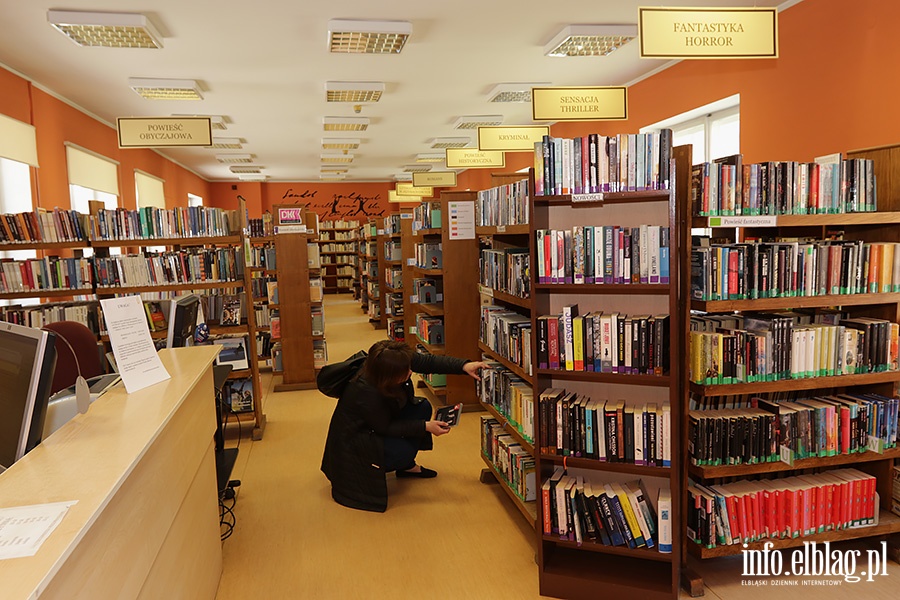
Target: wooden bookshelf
[(825, 301), (519, 371), (223, 240), (379, 322), (830, 220), (528, 509), (743, 470)]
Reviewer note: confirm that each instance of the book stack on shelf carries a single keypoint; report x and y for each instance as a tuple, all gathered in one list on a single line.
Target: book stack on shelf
[(337, 246), (263, 227), (51, 274), (43, 227), (513, 465), (793, 353), (84, 312)]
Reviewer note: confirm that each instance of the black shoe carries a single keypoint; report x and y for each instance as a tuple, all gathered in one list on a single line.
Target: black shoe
[(423, 474)]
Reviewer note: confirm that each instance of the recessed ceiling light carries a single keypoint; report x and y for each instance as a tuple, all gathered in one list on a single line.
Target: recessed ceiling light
[(475, 122), (345, 123), (403, 177), (417, 168), (234, 158), (513, 92), (333, 170), (340, 143), (246, 169), (368, 37), (590, 40), (110, 30), (431, 157), (227, 143), (215, 121), (253, 177), (449, 142), (353, 91), (333, 176), (165, 89), (336, 158)]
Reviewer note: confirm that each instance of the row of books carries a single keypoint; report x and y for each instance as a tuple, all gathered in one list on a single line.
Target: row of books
[(814, 427), (45, 274), (392, 224), (507, 333), (259, 286), (611, 514), (755, 347), (336, 247), (509, 394), (429, 255), (514, 464), (263, 257), (727, 187), (338, 259), (430, 329), (392, 250), (338, 224), (152, 223), (264, 344), (603, 342), (427, 215), (320, 354), (192, 265), (346, 270), (42, 314), (503, 205), (395, 330), (603, 254), (262, 227), (572, 424), (595, 163), (792, 507), (506, 270), (754, 270), (339, 236), (42, 225)]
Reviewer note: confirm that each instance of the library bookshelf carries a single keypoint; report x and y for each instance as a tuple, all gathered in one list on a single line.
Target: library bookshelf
[(569, 569), (374, 260), (879, 226), (360, 282), (394, 283), (338, 249), (263, 270)]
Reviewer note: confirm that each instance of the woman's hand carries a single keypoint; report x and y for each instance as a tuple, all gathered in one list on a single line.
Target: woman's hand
[(472, 368), (437, 427)]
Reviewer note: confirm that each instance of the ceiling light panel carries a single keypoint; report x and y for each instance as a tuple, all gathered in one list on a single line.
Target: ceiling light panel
[(450, 142), (234, 158), (246, 169), (353, 91), (109, 30), (333, 170), (403, 177), (430, 157), (368, 37), (216, 122), (417, 168), (336, 159), (345, 123), (513, 92), (253, 177), (590, 40), (475, 122), (340, 143), (332, 176), (226, 143), (165, 89)]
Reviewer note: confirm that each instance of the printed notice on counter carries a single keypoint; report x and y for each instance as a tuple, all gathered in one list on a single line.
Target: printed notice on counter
[(24, 528), (129, 334), (462, 220)]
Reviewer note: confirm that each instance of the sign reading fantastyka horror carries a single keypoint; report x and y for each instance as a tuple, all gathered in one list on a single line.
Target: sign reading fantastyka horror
[(163, 132), (473, 158), (579, 103), (435, 179), (704, 33), (511, 139)]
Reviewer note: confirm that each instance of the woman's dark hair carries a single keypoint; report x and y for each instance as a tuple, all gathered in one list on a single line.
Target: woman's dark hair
[(388, 365)]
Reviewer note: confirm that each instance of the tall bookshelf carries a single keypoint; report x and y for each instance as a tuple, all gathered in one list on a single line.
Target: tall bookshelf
[(374, 269), (498, 233), (568, 569), (263, 269), (361, 280), (879, 226), (337, 247), (392, 275), (457, 307)]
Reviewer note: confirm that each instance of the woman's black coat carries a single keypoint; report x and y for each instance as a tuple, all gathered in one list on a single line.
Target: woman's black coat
[(354, 449)]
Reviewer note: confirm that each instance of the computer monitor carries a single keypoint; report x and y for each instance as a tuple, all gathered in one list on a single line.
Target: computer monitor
[(27, 364), (183, 312)]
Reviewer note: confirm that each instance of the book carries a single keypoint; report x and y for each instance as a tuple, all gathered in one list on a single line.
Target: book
[(449, 414), (156, 317), (238, 393), (231, 310), (234, 352)]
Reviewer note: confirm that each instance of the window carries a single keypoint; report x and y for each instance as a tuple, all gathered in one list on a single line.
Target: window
[(149, 190), (713, 130), (194, 200), (15, 197), (91, 177)]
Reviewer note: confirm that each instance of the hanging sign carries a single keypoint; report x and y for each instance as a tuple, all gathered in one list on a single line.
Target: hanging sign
[(163, 132), (408, 189), (473, 158), (704, 33), (393, 196), (510, 139), (579, 104), (435, 179)]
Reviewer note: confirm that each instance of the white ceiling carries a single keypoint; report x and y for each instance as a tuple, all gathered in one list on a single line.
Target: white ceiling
[(263, 64)]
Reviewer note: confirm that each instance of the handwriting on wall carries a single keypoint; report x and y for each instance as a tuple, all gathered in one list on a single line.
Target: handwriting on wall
[(337, 206)]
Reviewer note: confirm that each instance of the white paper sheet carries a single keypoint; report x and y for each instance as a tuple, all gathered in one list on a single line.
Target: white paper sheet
[(24, 528), (462, 220), (129, 334)]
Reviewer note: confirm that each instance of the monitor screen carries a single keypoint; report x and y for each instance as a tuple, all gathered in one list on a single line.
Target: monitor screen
[(183, 313), (27, 364)]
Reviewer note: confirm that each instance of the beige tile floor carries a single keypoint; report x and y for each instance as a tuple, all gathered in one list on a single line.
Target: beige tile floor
[(451, 537)]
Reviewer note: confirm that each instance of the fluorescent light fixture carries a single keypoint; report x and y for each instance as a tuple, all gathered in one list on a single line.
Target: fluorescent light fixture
[(590, 40), (253, 177), (368, 37), (216, 122), (332, 176), (246, 169), (227, 143), (417, 168), (234, 158), (353, 91), (475, 122), (345, 123), (165, 89), (333, 170), (403, 177), (449, 142), (513, 92), (336, 159), (109, 30), (430, 157), (340, 143)]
